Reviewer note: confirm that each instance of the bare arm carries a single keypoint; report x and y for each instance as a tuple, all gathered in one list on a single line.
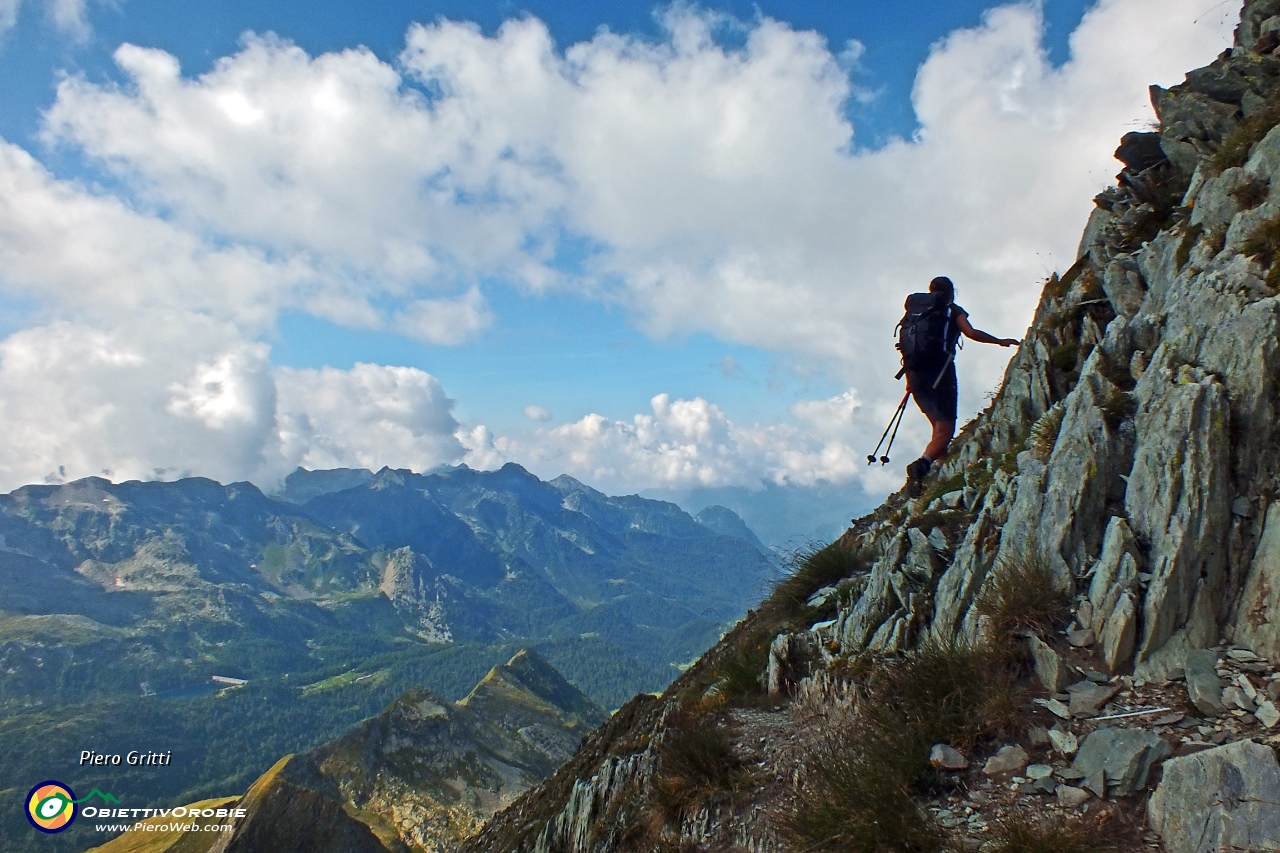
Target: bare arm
[(980, 336)]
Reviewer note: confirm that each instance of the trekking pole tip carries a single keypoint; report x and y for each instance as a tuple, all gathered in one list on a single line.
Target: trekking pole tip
[(884, 460), (871, 460)]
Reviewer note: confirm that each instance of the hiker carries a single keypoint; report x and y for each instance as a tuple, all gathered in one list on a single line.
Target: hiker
[(930, 331)]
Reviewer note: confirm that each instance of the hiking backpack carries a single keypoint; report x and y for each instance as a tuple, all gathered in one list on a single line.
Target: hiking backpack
[(926, 335)]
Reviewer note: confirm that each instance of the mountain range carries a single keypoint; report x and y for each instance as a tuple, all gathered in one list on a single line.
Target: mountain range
[(119, 603)]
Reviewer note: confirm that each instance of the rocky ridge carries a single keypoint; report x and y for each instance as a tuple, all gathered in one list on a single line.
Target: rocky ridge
[(1129, 463)]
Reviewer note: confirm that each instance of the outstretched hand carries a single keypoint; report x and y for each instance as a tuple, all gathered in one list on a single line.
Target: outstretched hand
[(1008, 342)]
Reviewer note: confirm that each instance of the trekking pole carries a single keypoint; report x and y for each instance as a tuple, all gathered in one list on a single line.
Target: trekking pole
[(897, 418), (884, 460), (943, 372)]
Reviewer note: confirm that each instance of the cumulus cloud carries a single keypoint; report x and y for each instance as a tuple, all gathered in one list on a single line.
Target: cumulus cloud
[(138, 400), (537, 413), (365, 417), (720, 189), (147, 401), (682, 443)]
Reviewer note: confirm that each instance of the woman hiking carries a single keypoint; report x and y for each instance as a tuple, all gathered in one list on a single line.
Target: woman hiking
[(930, 332)]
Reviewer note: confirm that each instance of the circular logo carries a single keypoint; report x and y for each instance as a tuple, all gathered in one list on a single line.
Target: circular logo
[(51, 806)]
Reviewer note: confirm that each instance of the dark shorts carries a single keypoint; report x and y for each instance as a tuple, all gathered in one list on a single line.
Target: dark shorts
[(938, 402)]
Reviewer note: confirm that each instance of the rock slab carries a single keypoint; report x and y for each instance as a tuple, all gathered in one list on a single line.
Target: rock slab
[(1123, 756), (1088, 698), (1220, 799), (946, 758), (1009, 759), (1203, 686), (1051, 669)]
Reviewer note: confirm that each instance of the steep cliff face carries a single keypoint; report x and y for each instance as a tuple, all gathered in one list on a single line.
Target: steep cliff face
[(1131, 459)]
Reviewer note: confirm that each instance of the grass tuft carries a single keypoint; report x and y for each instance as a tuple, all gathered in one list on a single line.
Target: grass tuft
[(1240, 141), (1044, 432), (1026, 833), (1250, 193), (1023, 595), (1118, 406), (696, 765), (1264, 245), (809, 570), (738, 678), (1054, 287), (857, 794), (953, 483), (1064, 356)]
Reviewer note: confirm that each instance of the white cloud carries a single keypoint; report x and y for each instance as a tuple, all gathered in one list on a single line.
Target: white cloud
[(9, 14), (141, 402), (127, 400), (718, 188), (365, 417), (683, 443), (445, 321), (69, 16), (833, 416), (537, 413)]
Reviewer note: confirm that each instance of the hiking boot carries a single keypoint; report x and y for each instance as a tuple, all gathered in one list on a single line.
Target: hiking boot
[(916, 472)]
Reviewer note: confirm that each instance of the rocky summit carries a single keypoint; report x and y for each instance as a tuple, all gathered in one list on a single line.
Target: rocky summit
[(1072, 640)]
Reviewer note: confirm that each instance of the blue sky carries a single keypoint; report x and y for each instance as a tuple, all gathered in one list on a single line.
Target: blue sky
[(653, 246)]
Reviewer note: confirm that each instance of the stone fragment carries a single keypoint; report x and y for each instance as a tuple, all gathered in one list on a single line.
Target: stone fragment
[(1038, 735), (1009, 759), (1096, 783), (945, 757), (1064, 743), (1219, 799), (1039, 771), (1051, 669), (1084, 613), (1046, 785), (1088, 698), (1122, 283), (820, 597), (1234, 697), (1115, 571), (938, 541), (1058, 709), (1069, 774), (1242, 655), (1097, 677), (1247, 686), (1120, 631), (1070, 798), (1241, 507), (1273, 691), (1267, 714), (1203, 687), (1080, 637), (1125, 756)]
